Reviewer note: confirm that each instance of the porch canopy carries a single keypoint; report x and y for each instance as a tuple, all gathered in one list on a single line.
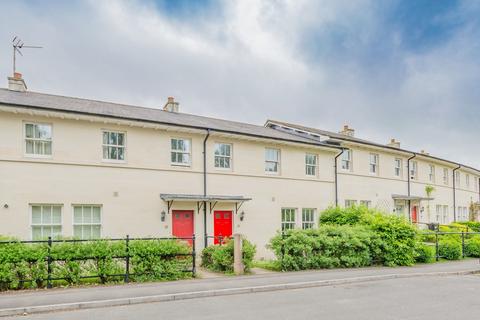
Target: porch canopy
[(410, 198), (201, 199)]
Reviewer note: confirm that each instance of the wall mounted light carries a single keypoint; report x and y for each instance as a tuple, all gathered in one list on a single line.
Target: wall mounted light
[(162, 216), (422, 209), (5, 206), (242, 215)]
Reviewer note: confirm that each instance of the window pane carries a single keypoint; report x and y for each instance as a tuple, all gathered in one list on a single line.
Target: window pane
[(105, 137), (113, 153), (121, 140), (47, 215), (36, 215), (45, 131), (29, 130), (87, 214), (96, 215), (57, 215), (105, 152), (77, 215), (56, 231), (227, 162), (47, 148), (77, 232), (87, 232), (36, 233), (29, 147), (112, 138), (96, 234), (121, 154)]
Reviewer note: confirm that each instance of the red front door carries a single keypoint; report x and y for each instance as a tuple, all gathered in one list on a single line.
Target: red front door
[(182, 224), (414, 214), (222, 225)]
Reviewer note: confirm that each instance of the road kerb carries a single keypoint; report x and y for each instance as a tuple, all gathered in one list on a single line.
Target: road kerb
[(217, 292)]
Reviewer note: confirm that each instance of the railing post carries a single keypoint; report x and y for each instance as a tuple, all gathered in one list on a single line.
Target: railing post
[(49, 263), (194, 256), (463, 244), (282, 250), (127, 259), (436, 246), (220, 239)]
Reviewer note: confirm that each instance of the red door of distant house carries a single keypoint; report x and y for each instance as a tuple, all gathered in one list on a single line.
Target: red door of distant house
[(182, 224), (414, 214), (222, 225)]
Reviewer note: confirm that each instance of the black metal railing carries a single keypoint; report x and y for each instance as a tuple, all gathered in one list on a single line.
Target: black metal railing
[(463, 235), (220, 240), (126, 256)]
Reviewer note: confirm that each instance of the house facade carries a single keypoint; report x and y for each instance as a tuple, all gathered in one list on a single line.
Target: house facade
[(87, 169)]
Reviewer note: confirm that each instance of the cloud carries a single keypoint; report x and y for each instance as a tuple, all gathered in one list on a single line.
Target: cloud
[(389, 69)]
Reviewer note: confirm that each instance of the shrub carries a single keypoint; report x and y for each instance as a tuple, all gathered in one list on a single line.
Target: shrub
[(397, 236), (425, 253), (326, 247), (472, 225), (472, 247), (155, 260), (220, 258), (450, 249)]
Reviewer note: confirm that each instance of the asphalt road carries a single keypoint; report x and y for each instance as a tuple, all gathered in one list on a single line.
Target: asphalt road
[(443, 297)]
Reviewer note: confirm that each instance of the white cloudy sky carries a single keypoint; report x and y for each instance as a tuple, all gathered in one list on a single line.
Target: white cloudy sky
[(403, 69)]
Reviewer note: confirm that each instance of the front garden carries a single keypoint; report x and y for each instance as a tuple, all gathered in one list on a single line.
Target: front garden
[(360, 237)]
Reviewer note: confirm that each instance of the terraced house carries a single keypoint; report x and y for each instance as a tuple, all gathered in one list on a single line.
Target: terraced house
[(88, 169)]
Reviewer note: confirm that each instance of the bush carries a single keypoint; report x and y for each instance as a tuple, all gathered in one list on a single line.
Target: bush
[(150, 260), (450, 249), (397, 236), (326, 247), (220, 258), (472, 247), (425, 253), (472, 225)]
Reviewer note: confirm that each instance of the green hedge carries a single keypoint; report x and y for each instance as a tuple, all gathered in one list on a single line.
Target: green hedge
[(149, 260), (220, 258), (326, 247), (450, 249), (425, 253), (472, 247)]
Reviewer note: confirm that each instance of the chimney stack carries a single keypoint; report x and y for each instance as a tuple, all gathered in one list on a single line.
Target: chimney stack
[(171, 105), (424, 152), (16, 83), (394, 143), (347, 131)]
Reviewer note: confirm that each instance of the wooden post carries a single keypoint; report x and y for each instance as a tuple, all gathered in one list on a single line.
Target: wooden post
[(238, 267)]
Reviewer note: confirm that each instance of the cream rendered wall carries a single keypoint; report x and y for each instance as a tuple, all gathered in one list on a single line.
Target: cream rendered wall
[(129, 192)]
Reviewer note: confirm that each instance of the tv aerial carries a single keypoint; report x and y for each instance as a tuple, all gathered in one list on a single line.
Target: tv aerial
[(18, 45)]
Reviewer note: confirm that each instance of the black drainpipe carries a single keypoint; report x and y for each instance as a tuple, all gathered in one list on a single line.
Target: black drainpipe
[(454, 194), (205, 188), (408, 187), (336, 177)]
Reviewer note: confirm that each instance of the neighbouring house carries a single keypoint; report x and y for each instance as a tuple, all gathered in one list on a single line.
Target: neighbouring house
[(83, 168)]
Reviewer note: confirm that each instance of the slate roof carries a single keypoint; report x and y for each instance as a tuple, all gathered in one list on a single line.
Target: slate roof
[(338, 137), (128, 112)]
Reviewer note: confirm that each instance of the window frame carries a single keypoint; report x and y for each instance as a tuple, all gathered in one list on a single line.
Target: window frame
[(375, 164), (366, 203), (34, 155), (309, 223), (116, 146), (414, 169), (457, 179), (176, 151), (445, 176), (467, 181), (230, 168), (87, 224), (278, 162), (431, 173), (348, 161), (352, 203), (400, 167), (31, 205), (291, 223), (314, 166)]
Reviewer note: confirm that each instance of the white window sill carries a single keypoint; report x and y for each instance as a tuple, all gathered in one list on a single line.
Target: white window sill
[(114, 161), (37, 156), (183, 165)]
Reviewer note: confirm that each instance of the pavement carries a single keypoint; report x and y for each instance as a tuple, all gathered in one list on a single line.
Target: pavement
[(435, 297), (58, 299)]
